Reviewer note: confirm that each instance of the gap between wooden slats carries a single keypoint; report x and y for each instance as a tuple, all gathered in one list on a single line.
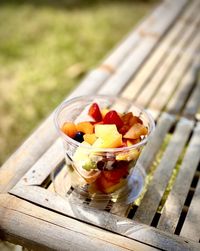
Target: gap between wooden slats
[(172, 209), (191, 226), (193, 103), (148, 207), (151, 66), (184, 89), (137, 57), (148, 155)]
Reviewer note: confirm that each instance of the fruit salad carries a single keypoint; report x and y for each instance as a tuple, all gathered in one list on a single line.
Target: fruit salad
[(105, 171)]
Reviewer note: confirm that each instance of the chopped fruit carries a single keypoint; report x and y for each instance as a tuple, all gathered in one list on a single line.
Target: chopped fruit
[(105, 170), (69, 129), (129, 119), (103, 184), (116, 174), (101, 165), (113, 118), (107, 186), (136, 131), (124, 129), (82, 154), (89, 165), (93, 176), (134, 120), (104, 112), (95, 112), (124, 143), (108, 136), (79, 137), (128, 156), (131, 142), (115, 187), (104, 131), (98, 123), (126, 117), (90, 138), (111, 142), (85, 127)]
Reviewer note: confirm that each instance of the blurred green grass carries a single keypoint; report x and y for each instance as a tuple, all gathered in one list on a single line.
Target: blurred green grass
[(46, 47)]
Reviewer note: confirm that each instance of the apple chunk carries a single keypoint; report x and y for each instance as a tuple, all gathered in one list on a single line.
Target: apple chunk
[(136, 131)]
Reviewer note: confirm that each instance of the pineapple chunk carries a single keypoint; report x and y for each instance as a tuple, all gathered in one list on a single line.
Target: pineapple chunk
[(111, 142), (90, 138), (108, 136), (103, 131)]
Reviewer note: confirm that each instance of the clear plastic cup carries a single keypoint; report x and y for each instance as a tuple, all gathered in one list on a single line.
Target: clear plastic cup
[(100, 173)]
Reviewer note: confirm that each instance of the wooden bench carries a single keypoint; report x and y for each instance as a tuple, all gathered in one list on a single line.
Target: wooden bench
[(156, 66)]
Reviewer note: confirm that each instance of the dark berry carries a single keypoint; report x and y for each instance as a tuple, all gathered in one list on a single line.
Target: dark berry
[(100, 165), (79, 137)]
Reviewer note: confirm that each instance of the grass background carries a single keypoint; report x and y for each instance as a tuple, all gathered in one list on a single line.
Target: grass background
[(46, 47)]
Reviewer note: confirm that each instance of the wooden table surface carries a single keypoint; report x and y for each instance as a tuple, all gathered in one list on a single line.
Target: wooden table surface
[(156, 66)]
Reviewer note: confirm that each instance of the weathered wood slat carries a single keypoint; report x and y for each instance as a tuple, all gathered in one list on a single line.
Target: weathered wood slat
[(193, 103), (175, 201), (149, 153), (165, 74), (191, 226), (137, 57), (143, 29), (178, 100), (66, 233), (175, 76), (113, 223), (43, 167), (153, 63), (152, 197)]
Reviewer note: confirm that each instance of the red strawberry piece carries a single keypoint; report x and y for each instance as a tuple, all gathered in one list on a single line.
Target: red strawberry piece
[(103, 184), (116, 174), (95, 112), (113, 118), (124, 129)]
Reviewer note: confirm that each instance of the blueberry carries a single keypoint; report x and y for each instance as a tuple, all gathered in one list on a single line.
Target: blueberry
[(79, 137), (100, 165)]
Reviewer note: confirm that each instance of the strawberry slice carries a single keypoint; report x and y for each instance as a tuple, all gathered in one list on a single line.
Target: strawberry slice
[(103, 184), (116, 174), (95, 112), (124, 129), (113, 118)]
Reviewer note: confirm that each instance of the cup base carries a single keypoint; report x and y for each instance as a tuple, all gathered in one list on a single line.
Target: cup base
[(82, 195)]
